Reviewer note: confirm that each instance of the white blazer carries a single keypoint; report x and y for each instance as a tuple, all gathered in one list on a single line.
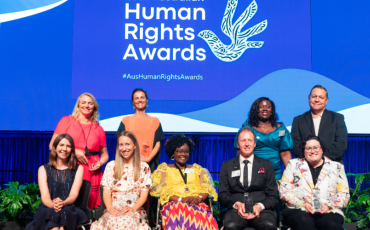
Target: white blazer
[(296, 186)]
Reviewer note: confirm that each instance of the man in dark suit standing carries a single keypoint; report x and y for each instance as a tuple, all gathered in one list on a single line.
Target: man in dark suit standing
[(248, 176), (327, 125)]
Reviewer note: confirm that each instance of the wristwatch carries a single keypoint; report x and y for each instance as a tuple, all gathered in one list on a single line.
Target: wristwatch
[(179, 200)]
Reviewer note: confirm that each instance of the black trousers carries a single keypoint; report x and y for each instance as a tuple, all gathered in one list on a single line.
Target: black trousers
[(300, 220), (266, 221)]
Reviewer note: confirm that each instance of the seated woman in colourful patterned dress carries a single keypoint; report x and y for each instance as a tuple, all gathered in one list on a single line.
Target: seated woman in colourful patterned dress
[(126, 182), (183, 189)]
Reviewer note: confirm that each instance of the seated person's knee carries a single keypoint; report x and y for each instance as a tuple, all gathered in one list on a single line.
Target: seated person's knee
[(332, 225), (304, 219), (269, 225), (230, 225)]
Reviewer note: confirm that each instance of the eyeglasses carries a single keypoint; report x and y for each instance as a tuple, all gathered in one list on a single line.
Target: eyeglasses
[(182, 152), (309, 149)]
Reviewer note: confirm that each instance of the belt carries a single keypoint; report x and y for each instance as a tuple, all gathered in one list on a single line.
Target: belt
[(91, 153)]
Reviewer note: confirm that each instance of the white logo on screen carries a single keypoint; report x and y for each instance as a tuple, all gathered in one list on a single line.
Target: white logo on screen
[(239, 43), (151, 35)]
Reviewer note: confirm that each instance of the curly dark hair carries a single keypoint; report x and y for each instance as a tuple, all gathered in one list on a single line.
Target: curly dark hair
[(176, 141), (253, 113), (302, 145)]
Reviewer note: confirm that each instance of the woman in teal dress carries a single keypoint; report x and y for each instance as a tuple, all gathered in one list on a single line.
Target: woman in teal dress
[(274, 141)]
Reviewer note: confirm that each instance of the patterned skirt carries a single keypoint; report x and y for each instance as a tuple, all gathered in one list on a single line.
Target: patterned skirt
[(130, 221), (183, 216)]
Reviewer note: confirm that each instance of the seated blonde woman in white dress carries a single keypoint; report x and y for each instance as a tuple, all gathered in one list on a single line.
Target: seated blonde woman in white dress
[(126, 182)]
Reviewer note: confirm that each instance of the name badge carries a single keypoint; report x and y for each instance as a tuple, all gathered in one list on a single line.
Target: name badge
[(281, 133), (189, 170), (131, 197), (235, 173)]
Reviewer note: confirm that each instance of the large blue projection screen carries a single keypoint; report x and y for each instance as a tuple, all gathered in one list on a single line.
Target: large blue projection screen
[(203, 63)]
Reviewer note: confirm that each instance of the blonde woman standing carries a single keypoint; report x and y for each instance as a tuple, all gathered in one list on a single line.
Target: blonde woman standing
[(89, 138), (126, 184)]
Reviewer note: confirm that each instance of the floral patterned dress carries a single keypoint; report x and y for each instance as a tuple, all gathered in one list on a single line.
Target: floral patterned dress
[(125, 192)]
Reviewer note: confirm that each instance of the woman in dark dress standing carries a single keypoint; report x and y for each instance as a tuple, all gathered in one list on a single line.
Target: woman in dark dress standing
[(60, 181)]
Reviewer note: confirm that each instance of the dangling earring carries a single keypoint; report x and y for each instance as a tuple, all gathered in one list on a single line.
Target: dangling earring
[(147, 106), (173, 158), (134, 107)]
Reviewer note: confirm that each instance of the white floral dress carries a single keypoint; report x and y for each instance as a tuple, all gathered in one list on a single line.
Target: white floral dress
[(123, 193)]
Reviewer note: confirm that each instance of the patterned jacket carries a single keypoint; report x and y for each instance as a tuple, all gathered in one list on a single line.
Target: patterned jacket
[(296, 186)]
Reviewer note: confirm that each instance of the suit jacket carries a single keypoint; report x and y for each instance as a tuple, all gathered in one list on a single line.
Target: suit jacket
[(263, 185), (296, 186), (332, 131)]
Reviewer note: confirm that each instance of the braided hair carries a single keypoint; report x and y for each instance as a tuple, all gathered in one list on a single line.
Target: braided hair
[(253, 113)]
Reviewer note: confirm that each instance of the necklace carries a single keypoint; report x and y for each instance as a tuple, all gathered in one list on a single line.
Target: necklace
[(83, 131), (184, 177)]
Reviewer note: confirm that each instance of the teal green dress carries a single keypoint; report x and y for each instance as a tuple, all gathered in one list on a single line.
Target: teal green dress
[(270, 145)]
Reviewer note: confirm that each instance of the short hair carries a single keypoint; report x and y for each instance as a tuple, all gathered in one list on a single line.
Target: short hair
[(94, 116), (253, 112), (319, 87), (302, 145), (176, 141), (139, 90), (72, 160), (246, 129)]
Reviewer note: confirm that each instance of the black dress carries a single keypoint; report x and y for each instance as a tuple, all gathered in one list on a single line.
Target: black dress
[(59, 183)]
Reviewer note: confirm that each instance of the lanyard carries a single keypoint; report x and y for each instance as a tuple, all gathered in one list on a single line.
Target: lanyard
[(83, 131), (182, 175)]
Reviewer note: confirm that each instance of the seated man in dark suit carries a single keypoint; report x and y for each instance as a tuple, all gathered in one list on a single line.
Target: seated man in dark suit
[(318, 121), (248, 176)]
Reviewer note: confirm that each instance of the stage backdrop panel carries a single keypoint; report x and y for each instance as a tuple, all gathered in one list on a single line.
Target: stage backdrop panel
[(202, 62)]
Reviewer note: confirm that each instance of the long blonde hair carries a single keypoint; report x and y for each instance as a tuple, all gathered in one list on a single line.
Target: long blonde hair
[(94, 116), (119, 161)]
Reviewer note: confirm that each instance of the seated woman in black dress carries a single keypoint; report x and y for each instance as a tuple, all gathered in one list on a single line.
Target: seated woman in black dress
[(60, 181)]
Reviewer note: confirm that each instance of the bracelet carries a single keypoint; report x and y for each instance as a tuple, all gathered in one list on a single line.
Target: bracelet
[(179, 200), (200, 197)]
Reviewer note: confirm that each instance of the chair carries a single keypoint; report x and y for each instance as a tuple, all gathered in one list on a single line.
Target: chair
[(83, 200), (158, 222), (100, 211), (281, 226)]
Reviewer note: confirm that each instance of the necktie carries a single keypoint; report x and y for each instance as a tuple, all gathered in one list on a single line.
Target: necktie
[(245, 176)]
